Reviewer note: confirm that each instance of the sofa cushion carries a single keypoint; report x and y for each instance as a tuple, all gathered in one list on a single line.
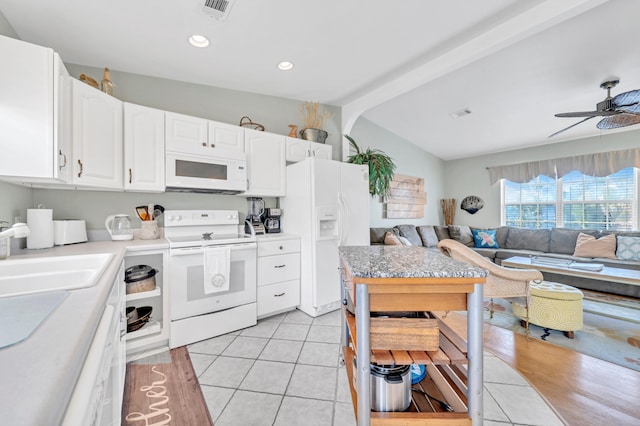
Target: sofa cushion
[(589, 246), (528, 239), (390, 239), (628, 248), (563, 241), (501, 235), (462, 234), (410, 233), (442, 232), (376, 235), (428, 236), (484, 238)]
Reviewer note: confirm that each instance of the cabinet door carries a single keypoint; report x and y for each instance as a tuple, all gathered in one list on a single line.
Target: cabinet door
[(297, 149), (266, 163), (97, 137), (26, 120), (143, 148), (321, 150), (225, 136), (185, 133), (62, 131)]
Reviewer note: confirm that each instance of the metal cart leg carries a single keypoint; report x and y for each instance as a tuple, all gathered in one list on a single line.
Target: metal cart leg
[(475, 354), (363, 355)]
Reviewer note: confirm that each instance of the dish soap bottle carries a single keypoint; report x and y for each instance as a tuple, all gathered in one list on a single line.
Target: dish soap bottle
[(106, 85)]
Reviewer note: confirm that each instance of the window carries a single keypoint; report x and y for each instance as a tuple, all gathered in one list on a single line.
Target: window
[(575, 201)]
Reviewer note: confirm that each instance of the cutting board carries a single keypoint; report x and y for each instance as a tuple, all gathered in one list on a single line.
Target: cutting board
[(20, 316)]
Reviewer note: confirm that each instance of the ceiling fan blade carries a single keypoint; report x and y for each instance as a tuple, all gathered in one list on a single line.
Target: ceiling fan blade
[(567, 128), (620, 120), (587, 114), (627, 101)]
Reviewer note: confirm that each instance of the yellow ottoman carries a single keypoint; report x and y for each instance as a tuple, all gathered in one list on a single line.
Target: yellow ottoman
[(553, 305)]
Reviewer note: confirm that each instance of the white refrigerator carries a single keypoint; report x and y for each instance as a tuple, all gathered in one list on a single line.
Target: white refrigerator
[(327, 204)]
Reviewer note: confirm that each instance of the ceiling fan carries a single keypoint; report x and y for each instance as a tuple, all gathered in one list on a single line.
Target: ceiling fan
[(618, 111)]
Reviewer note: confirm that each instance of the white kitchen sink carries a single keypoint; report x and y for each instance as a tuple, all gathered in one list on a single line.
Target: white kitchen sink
[(28, 276)]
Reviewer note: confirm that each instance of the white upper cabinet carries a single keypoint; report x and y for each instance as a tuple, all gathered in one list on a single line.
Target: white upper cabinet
[(97, 138), (299, 149), (199, 136), (33, 84), (266, 162), (143, 148), (226, 136)]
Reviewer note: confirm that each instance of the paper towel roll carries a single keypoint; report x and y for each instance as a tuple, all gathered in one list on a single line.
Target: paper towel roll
[(40, 223)]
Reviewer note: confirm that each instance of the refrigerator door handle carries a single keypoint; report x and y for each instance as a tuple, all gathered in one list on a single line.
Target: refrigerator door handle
[(342, 215)]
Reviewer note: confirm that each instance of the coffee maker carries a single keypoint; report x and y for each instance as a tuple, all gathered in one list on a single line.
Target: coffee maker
[(272, 220), (255, 212)]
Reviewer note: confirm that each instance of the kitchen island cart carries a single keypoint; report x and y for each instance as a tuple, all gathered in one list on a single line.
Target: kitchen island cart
[(401, 279)]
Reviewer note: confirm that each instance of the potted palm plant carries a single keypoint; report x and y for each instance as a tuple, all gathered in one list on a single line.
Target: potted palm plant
[(381, 167)]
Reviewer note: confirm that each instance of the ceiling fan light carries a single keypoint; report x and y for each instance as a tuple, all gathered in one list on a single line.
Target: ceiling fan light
[(199, 40)]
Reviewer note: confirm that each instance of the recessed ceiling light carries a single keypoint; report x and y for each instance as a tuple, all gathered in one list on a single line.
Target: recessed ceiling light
[(285, 65), (198, 40)]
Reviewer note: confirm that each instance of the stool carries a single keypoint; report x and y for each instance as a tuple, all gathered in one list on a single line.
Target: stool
[(553, 305)]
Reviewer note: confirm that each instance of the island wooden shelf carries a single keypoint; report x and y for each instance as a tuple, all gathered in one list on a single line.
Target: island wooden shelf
[(381, 280)]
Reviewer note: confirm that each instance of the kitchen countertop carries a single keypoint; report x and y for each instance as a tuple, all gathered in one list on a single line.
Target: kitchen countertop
[(39, 373), (405, 262)]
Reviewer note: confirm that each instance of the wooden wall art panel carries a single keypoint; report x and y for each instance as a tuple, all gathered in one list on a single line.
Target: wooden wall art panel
[(406, 198)]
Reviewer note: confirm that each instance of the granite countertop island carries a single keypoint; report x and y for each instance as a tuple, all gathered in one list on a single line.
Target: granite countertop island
[(399, 278), (405, 262)]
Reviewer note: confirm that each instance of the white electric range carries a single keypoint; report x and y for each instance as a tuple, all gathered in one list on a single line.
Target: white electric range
[(212, 269)]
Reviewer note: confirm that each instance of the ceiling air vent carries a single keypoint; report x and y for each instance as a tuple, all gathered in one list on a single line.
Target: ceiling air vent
[(218, 8)]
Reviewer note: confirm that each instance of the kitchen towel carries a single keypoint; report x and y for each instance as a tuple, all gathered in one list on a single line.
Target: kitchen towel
[(217, 262), (40, 223)]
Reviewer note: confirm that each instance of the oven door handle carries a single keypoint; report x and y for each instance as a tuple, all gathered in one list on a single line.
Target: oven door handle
[(187, 251)]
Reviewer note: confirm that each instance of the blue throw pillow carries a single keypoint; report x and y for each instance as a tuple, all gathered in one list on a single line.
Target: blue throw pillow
[(484, 238)]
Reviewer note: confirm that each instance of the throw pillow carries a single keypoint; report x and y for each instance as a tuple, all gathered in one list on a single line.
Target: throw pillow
[(485, 238), (428, 236), (391, 240), (589, 246), (410, 233), (462, 234), (628, 248), (404, 241)]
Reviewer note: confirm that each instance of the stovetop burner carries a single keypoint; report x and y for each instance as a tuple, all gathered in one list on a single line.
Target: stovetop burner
[(192, 228)]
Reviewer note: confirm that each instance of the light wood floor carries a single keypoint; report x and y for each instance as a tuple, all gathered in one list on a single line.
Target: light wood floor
[(581, 389)]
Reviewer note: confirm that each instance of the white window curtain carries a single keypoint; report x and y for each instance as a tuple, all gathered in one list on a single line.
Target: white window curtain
[(599, 164)]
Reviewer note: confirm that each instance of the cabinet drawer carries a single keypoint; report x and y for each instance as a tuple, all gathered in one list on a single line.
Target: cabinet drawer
[(277, 297), (273, 269), (270, 248)]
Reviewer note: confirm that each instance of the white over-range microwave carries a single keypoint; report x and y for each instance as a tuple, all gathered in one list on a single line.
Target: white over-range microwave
[(197, 173)]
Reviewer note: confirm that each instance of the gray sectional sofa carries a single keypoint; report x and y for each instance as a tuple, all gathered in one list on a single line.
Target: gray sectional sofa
[(512, 241)]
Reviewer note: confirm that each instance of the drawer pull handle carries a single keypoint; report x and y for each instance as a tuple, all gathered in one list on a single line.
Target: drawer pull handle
[(281, 248), (279, 266), (278, 295), (80, 172)]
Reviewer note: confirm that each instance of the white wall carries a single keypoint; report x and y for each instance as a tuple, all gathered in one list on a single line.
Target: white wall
[(409, 160), (469, 176)]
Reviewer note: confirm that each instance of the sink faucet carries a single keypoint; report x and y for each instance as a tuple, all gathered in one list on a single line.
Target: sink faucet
[(18, 230)]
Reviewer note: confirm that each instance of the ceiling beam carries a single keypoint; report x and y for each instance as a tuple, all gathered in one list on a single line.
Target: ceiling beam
[(526, 24)]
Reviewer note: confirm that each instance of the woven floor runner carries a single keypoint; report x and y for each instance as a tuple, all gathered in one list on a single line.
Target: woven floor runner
[(164, 393)]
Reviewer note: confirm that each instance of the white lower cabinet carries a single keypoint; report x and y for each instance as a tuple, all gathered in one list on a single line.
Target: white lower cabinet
[(155, 333), (278, 275)]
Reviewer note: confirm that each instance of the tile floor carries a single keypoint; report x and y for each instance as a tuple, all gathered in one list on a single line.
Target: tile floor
[(285, 371)]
